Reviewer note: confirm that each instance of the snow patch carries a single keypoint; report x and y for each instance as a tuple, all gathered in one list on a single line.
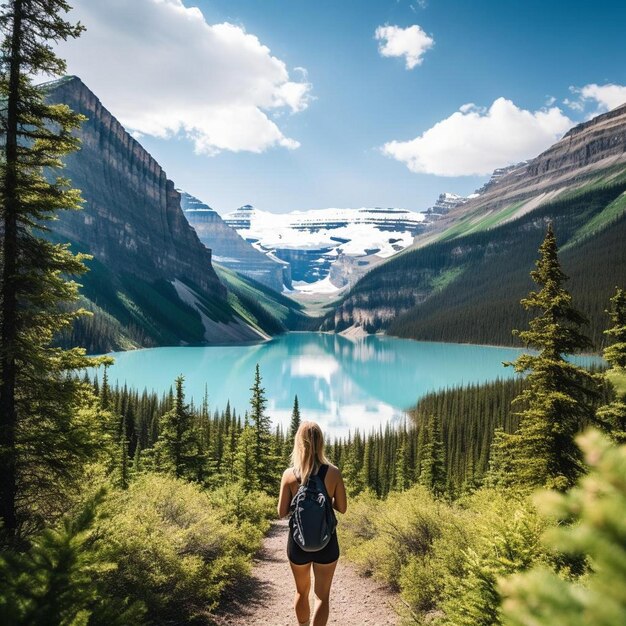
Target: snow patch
[(320, 286)]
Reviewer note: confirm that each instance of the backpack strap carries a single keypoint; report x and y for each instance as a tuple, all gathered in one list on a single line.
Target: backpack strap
[(322, 471)]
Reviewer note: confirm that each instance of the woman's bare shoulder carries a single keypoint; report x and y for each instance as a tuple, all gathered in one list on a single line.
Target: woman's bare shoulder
[(333, 471), (289, 476)]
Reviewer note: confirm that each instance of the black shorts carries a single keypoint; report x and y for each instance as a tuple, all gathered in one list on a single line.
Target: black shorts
[(326, 555)]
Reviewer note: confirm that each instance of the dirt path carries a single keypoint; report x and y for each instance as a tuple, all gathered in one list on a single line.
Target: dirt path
[(268, 600)]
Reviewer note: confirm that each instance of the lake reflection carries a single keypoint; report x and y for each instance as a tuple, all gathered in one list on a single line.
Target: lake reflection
[(344, 384)]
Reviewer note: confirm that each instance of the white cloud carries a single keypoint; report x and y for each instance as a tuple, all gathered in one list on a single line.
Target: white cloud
[(475, 141), (163, 70), (410, 43), (606, 96)]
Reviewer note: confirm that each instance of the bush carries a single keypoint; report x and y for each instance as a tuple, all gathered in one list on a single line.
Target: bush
[(593, 522), (410, 540), (58, 580), (249, 512), (238, 505), (175, 549), (506, 538), (445, 559)]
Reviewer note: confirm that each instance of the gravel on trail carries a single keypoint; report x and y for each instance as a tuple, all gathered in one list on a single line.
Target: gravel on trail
[(267, 598)]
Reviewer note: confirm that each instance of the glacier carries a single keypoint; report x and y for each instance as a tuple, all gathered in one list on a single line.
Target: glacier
[(314, 241)]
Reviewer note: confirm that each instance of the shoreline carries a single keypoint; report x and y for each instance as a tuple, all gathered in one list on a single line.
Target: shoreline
[(355, 337)]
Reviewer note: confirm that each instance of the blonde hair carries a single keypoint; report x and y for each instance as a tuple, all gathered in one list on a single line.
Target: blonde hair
[(308, 450)]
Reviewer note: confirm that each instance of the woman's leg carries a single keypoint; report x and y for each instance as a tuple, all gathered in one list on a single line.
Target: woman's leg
[(302, 576), (323, 580)]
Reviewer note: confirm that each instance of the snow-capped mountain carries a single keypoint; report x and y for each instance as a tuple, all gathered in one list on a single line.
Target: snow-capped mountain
[(313, 242), (446, 202), (230, 249)]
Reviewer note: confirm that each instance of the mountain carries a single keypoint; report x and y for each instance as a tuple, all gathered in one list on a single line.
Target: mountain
[(151, 280), (445, 203), (590, 154), (328, 249), (463, 278), (230, 249)]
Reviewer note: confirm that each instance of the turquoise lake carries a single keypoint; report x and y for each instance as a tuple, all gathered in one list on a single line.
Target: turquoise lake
[(344, 384)]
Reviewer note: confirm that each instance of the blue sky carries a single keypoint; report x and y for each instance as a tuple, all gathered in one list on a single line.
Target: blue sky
[(527, 54)]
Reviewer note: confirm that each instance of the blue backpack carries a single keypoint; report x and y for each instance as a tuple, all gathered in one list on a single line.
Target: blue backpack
[(312, 522)]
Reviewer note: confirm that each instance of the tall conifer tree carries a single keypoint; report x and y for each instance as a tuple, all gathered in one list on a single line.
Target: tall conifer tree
[(261, 422), (295, 419), (433, 471), (246, 469), (614, 413), (559, 395), (178, 443), (41, 442)]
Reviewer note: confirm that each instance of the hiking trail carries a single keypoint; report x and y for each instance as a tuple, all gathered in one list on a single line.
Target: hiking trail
[(268, 597)]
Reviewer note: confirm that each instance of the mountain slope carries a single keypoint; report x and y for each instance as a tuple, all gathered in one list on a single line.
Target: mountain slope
[(230, 249), (151, 280), (590, 154), (464, 279), (261, 306)]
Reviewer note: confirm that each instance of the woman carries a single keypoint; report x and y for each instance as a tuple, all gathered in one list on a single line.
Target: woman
[(308, 459)]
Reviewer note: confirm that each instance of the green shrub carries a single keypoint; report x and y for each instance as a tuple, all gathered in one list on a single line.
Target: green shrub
[(506, 537), (249, 512), (58, 580), (445, 559), (595, 524), (176, 551), (409, 540)]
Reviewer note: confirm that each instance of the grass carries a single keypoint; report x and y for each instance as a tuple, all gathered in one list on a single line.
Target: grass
[(447, 277), (599, 221), (272, 311), (469, 224)]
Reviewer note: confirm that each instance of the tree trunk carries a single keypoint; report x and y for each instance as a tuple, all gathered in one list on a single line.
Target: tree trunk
[(8, 312)]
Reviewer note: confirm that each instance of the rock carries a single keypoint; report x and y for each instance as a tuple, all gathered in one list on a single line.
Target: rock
[(230, 249), (132, 219)]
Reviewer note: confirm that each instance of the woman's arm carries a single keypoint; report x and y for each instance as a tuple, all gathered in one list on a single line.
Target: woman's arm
[(284, 499), (340, 499)]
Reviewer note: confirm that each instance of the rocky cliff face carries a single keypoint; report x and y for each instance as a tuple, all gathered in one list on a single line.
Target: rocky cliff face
[(445, 203), (230, 249), (590, 151), (132, 219)]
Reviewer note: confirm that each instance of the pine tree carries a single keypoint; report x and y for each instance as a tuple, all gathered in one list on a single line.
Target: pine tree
[(402, 477), (614, 413), (559, 395), (367, 470), (246, 468), (58, 580), (230, 453), (615, 353), (137, 461), (295, 420), (433, 471), (178, 442), (123, 461), (37, 400), (105, 389), (260, 422), (501, 471)]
